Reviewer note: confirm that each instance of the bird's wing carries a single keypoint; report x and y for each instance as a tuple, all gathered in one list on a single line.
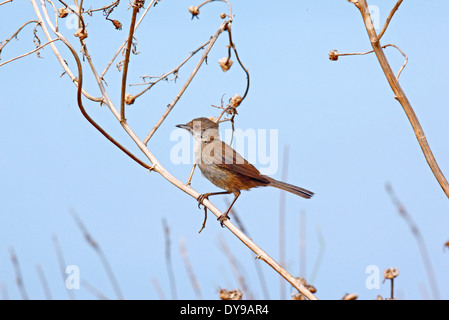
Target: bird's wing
[(226, 157)]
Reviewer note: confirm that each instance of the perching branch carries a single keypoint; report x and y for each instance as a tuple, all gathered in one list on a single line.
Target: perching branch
[(399, 93)]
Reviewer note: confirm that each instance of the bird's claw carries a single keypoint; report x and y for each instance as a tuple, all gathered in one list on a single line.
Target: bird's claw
[(201, 198), (222, 219)]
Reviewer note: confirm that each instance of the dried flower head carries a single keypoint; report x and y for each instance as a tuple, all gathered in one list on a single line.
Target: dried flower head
[(333, 55), (225, 64), (391, 273), (117, 24), (195, 11), (350, 296), (235, 101), (81, 33), (129, 98), (298, 296), (63, 12), (235, 294), (214, 119)]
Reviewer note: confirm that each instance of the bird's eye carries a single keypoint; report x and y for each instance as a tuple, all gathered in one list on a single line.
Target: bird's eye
[(197, 126)]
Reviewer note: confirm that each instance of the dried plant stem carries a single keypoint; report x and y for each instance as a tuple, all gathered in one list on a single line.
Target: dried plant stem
[(44, 282), (62, 266), (28, 53), (235, 268), (399, 93), (18, 273), (6, 1), (185, 257), (171, 273), (282, 221), (240, 225), (136, 8), (2, 45), (319, 257), (419, 239), (126, 41), (100, 253), (390, 16)]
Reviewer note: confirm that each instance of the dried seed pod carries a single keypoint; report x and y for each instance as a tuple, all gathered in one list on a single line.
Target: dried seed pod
[(225, 64), (81, 33), (235, 101), (195, 11), (333, 55), (117, 24), (63, 12), (235, 294), (129, 98), (223, 15), (350, 296), (391, 273)]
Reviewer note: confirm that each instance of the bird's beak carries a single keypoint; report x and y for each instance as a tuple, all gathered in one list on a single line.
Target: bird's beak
[(183, 126)]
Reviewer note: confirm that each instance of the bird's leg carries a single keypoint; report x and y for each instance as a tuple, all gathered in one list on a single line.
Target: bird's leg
[(207, 195), (224, 216), (191, 175)]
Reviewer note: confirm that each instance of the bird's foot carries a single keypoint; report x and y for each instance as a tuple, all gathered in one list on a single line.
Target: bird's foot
[(201, 198), (223, 218)]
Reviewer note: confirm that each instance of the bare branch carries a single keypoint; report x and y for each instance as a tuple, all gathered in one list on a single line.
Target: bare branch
[(2, 45), (28, 53), (390, 16), (6, 1), (137, 4)]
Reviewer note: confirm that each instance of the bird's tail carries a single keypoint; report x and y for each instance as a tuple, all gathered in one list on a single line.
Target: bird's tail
[(290, 188)]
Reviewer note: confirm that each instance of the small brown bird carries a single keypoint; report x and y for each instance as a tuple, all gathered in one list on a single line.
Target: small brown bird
[(227, 169)]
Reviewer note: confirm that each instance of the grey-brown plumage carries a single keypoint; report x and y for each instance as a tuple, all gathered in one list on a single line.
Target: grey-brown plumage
[(226, 168)]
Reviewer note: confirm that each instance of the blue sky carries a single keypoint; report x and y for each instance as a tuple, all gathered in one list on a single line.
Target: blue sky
[(347, 137)]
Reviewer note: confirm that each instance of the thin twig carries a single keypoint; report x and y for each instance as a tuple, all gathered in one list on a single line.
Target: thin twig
[(126, 41), (104, 261), (235, 268), (302, 244), (158, 288), (18, 273), (2, 45), (239, 223), (282, 196), (137, 4), (6, 1), (320, 255), (44, 282), (390, 16), (335, 54), (62, 266), (185, 257), (175, 70), (28, 53), (419, 239), (92, 289), (171, 274)]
